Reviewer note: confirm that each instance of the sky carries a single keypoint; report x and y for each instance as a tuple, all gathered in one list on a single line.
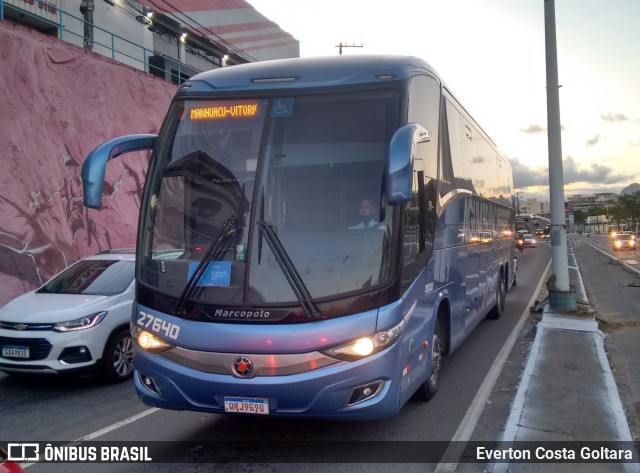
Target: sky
[(491, 53)]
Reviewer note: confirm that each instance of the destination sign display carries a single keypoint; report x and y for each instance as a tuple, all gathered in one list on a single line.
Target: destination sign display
[(221, 112)]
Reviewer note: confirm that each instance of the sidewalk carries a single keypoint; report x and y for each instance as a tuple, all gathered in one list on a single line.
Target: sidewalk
[(568, 392)]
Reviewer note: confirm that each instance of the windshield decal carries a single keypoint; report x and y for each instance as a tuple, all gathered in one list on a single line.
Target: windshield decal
[(282, 108), (217, 273)]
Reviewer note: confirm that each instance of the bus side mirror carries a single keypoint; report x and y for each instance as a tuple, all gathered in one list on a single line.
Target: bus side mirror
[(94, 167), (399, 169)]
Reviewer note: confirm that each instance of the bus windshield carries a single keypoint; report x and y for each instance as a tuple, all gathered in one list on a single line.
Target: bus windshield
[(246, 173)]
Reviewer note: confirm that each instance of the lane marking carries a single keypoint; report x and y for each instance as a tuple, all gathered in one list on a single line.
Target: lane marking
[(471, 418), (117, 425), (628, 266), (101, 432), (576, 268)]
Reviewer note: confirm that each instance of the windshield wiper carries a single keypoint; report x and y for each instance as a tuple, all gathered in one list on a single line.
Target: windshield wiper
[(288, 268), (228, 228)]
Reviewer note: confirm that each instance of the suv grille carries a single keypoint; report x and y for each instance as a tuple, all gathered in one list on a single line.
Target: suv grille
[(39, 348), (28, 326)]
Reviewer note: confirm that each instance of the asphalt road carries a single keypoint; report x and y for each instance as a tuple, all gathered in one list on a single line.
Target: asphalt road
[(65, 409), (612, 281), (53, 408)]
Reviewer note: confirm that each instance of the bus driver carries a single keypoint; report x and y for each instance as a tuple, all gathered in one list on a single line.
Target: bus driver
[(368, 215)]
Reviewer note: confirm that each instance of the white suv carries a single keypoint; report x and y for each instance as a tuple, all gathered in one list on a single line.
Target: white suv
[(77, 322)]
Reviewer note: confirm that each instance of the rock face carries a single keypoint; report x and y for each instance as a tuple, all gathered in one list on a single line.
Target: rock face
[(58, 103)]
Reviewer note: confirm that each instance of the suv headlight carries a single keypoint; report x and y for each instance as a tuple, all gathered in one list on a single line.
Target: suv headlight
[(82, 323), (369, 345)]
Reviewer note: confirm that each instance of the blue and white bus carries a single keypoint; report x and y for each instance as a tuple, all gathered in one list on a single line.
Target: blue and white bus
[(260, 290)]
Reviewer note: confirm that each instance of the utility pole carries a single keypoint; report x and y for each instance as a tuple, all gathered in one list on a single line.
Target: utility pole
[(340, 46), (561, 295)]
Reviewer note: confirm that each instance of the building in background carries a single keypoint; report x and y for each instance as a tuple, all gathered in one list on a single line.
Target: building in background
[(586, 202), (170, 39), (527, 207)]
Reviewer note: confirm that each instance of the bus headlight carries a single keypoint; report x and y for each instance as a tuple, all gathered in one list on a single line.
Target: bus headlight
[(149, 342), (366, 346)]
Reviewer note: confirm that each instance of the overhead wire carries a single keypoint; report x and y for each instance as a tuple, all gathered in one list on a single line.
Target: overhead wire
[(131, 12), (225, 43)]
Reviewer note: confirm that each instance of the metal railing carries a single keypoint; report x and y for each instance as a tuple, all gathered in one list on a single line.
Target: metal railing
[(112, 45)]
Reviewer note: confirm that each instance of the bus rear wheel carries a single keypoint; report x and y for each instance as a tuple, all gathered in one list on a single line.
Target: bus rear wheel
[(501, 299)]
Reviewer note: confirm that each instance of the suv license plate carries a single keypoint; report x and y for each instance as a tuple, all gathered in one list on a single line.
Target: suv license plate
[(15, 352), (246, 405)]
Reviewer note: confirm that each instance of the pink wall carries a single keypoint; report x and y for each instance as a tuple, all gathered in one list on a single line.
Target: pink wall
[(57, 103)]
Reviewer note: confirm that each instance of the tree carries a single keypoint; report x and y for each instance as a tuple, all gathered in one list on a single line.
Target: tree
[(627, 210), (615, 213), (630, 207)]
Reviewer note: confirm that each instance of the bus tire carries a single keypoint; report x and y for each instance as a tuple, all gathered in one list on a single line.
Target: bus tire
[(428, 389), (501, 292), (117, 359)]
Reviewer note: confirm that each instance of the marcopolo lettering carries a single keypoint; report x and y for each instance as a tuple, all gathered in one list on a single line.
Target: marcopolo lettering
[(242, 313), (247, 314)]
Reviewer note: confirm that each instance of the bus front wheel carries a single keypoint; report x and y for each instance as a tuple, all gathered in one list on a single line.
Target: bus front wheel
[(429, 388)]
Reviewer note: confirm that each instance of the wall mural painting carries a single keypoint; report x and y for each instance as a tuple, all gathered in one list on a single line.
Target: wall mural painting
[(44, 232), (63, 102)]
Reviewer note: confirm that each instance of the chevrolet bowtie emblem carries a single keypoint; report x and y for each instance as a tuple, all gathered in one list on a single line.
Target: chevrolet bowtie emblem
[(20, 326)]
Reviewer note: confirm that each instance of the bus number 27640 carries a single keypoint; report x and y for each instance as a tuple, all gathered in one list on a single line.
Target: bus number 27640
[(158, 325)]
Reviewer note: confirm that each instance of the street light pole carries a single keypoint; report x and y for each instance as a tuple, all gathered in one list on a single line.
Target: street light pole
[(561, 295)]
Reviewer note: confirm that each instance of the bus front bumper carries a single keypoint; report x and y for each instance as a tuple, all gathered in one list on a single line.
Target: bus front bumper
[(365, 389)]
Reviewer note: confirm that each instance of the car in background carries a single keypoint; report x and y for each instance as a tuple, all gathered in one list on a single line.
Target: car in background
[(78, 322), (530, 241), (624, 241)]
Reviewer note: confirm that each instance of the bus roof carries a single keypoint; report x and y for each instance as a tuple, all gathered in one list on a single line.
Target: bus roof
[(307, 72)]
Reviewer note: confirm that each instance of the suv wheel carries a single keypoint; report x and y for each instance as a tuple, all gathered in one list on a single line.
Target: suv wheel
[(117, 359)]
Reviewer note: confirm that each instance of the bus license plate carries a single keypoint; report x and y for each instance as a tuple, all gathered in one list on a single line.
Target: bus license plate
[(246, 405), (15, 352)]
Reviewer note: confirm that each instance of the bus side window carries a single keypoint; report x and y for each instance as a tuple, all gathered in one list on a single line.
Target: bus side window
[(419, 216), (425, 107), (414, 229)]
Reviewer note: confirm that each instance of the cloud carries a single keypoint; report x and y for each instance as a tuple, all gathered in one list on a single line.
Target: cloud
[(614, 117), (534, 130), (525, 176), (593, 140), (598, 174), (595, 174)]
